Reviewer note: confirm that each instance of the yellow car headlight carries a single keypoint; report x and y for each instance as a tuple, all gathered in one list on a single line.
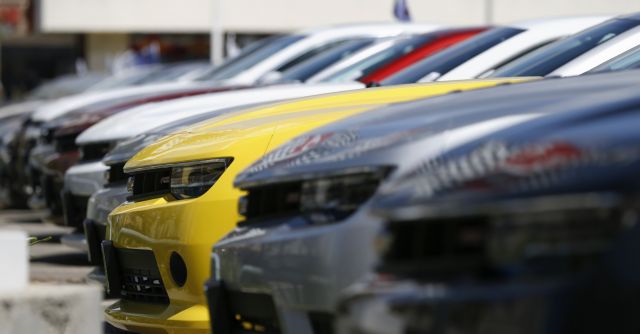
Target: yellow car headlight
[(182, 180), (190, 181)]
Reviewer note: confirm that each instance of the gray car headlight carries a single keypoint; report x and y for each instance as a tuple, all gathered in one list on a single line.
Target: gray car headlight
[(343, 193), (322, 199)]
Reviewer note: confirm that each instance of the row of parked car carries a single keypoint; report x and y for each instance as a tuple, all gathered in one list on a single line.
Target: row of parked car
[(378, 178)]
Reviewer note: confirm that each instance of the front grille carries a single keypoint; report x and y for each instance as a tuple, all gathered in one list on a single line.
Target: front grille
[(273, 201), (66, 143), (499, 245), (47, 135), (140, 278), (151, 183), (116, 174), (74, 209), (322, 323), (94, 152)]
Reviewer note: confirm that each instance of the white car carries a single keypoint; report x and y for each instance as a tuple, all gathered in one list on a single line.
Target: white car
[(358, 58), (273, 54), (535, 34), (87, 177), (614, 46), (62, 106), (580, 52), (279, 53)]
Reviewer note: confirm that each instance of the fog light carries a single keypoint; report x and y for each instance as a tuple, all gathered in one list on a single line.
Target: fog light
[(178, 269)]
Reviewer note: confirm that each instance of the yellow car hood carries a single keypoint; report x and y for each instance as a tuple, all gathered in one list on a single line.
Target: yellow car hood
[(218, 136)]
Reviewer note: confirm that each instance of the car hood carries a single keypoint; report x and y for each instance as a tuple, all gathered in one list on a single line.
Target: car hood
[(126, 149), (59, 107), (191, 143), (589, 149), (20, 108), (152, 115), (393, 136)]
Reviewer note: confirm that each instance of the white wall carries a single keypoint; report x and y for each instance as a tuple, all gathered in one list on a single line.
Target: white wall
[(111, 16), (114, 16)]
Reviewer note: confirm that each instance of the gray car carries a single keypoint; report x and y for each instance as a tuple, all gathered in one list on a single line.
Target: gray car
[(548, 228), (307, 233)]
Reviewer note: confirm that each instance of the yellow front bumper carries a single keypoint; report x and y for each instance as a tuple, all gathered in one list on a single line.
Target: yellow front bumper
[(145, 318), (166, 226)]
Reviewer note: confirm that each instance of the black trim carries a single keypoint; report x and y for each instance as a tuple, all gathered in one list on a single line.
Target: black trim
[(217, 299), (94, 234), (111, 268), (74, 208)]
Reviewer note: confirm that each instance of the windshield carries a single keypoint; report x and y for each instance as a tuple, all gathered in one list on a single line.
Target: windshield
[(444, 61), (250, 56), (627, 61), (380, 59), (304, 70), (551, 57)]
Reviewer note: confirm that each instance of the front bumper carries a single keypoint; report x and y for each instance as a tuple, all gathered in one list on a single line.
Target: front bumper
[(100, 205), (86, 178), (303, 268), (167, 228), (593, 302), (407, 307), (145, 315)]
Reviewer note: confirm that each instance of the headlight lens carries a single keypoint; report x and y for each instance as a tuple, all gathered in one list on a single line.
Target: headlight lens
[(322, 200), (183, 180), (193, 181), (335, 198)]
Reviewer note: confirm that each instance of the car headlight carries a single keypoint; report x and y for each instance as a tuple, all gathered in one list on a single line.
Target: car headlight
[(335, 198), (322, 200), (194, 181), (183, 180)]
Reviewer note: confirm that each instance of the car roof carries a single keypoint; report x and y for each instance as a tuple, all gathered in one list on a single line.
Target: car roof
[(537, 33), (560, 21), (600, 54), (351, 28), (316, 37)]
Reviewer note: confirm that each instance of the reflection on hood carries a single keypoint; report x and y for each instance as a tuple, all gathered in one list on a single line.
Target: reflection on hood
[(372, 137), (126, 149), (595, 149)]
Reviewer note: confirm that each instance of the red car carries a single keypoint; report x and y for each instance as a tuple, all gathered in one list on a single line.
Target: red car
[(440, 40), (387, 57)]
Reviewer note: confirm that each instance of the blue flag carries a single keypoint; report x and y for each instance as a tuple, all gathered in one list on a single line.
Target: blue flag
[(401, 11)]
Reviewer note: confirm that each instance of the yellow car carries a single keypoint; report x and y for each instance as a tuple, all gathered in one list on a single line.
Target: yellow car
[(157, 256)]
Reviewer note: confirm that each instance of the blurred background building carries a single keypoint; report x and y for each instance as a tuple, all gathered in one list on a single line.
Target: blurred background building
[(42, 39)]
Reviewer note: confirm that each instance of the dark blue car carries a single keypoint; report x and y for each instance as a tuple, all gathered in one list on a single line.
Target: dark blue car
[(308, 229), (531, 229)]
